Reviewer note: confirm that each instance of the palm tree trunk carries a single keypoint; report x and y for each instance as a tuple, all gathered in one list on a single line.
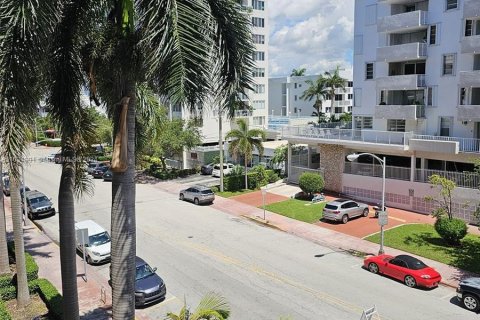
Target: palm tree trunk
[(220, 146), (332, 94), (123, 226), (4, 265), (23, 296), (66, 216), (246, 175)]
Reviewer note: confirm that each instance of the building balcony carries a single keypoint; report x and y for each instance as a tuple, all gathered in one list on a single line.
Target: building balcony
[(448, 145), (470, 44), (402, 82), (471, 9), (469, 79), (243, 113), (468, 112), (402, 52), (408, 21), (469, 180), (406, 112)]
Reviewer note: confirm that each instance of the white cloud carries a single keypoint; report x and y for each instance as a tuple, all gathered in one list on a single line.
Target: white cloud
[(313, 34)]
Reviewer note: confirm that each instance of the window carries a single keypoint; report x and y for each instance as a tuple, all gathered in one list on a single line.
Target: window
[(429, 96), (357, 97), (468, 28), (451, 4), (445, 126), (362, 122), (448, 64), (350, 84), (258, 121), (399, 263), (259, 38), (258, 5), (350, 96), (369, 71), (433, 34), (258, 104), (349, 109), (258, 22), (463, 95), (396, 125), (476, 62), (259, 88), (295, 85), (338, 97), (338, 109), (371, 15), (258, 72), (259, 56), (295, 97)]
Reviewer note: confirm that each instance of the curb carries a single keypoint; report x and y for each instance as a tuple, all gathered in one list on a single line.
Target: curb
[(262, 222)]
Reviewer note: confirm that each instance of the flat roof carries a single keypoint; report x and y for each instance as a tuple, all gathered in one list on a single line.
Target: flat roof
[(274, 144)]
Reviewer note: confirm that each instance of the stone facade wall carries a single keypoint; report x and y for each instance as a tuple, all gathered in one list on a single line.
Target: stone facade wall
[(332, 159)]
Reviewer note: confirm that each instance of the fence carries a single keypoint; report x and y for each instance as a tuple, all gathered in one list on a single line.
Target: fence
[(375, 170), (462, 179), (295, 173)]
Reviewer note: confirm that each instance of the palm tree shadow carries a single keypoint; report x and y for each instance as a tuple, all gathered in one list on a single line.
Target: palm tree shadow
[(100, 313)]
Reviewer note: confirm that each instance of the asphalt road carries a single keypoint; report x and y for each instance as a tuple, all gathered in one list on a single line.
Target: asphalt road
[(263, 273)]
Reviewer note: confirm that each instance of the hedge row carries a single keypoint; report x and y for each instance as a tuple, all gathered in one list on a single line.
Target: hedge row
[(170, 174), (256, 180), (50, 143), (4, 315), (31, 266)]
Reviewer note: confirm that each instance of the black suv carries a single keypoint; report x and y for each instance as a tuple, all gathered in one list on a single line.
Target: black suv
[(468, 292), (38, 205)]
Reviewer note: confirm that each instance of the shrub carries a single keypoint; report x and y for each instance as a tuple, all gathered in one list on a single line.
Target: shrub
[(104, 158), (451, 230), (272, 176), (50, 143), (8, 293), (236, 183), (5, 281), (31, 266), (262, 175), (50, 296), (4, 315), (311, 182), (215, 189)]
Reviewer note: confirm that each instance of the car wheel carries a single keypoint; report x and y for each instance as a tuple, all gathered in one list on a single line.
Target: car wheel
[(196, 201), (345, 218), (89, 260), (30, 216), (410, 282), (182, 197), (471, 302), (365, 212), (373, 267)]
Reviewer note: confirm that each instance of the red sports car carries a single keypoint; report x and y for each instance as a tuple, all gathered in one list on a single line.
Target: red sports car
[(408, 269)]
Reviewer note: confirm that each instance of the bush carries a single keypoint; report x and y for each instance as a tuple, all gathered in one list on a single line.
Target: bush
[(4, 315), (451, 230), (8, 293), (30, 264), (272, 176), (5, 281), (104, 158), (262, 175), (236, 183), (311, 182), (50, 296), (50, 143)]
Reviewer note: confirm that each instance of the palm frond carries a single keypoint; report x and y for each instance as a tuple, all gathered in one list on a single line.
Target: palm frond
[(212, 304)]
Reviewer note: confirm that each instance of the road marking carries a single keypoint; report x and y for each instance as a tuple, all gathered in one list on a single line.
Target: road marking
[(398, 219)]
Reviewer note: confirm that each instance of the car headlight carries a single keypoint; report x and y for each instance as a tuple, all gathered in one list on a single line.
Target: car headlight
[(426, 276), (95, 253), (139, 294)]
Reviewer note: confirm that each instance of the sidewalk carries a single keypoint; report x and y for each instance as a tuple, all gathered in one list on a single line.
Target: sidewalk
[(318, 234), (47, 256)]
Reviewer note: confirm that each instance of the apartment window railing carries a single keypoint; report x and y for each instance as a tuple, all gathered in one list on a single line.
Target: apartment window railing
[(375, 170), (467, 145), (462, 179)]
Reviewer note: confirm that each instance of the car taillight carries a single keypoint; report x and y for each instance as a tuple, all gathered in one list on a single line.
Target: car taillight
[(336, 211)]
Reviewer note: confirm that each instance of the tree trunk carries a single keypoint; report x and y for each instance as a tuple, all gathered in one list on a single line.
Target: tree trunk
[(4, 265), (123, 225), (66, 216), (220, 146), (332, 110), (246, 175), (23, 295)]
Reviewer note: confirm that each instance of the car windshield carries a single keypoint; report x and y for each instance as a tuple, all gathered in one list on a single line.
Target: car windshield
[(331, 207), (99, 239), (143, 271), (415, 264), (38, 200), (206, 191), (92, 165)]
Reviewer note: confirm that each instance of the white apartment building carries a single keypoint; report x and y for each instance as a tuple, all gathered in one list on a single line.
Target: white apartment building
[(284, 97), (416, 102), (256, 99)]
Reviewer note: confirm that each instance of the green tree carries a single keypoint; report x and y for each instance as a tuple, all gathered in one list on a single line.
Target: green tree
[(317, 90), (443, 200), (211, 307), (345, 117), (174, 137), (280, 155), (244, 140), (333, 80), (298, 72)]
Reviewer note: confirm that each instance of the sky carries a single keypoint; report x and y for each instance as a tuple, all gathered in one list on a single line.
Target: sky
[(312, 34)]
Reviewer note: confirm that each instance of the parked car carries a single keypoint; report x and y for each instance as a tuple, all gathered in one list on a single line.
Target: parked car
[(99, 172), (92, 166), (468, 293), (410, 270), (149, 287), (51, 157), (38, 205), (344, 210), (21, 191), (198, 194), (99, 244), (108, 175), (58, 158), (227, 168), (207, 169)]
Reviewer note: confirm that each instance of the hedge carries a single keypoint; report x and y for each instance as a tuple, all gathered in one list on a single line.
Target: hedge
[(4, 315), (50, 296), (50, 143), (31, 265), (170, 174), (104, 158), (5, 281), (235, 183)]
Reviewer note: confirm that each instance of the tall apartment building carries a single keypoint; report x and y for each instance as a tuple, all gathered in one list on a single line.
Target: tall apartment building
[(416, 102), (284, 97), (256, 99)]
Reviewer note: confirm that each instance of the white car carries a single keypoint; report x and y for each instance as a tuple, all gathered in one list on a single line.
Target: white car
[(98, 247), (227, 168)]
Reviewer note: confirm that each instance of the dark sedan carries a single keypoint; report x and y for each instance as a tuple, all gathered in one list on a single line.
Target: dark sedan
[(207, 169), (107, 176), (99, 172), (149, 287), (468, 292)]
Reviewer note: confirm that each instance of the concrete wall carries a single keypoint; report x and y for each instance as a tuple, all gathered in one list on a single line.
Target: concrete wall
[(332, 159)]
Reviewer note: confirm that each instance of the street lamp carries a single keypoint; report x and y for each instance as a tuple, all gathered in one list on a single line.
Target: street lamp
[(381, 221)]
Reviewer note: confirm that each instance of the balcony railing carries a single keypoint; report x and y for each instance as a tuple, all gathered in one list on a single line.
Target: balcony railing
[(468, 112), (471, 44), (461, 179), (466, 145), (375, 170), (407, 112), (402, 52), (206, 148), (403, 21), (469, 78), (243, 113), (367, 136), (401, 82)]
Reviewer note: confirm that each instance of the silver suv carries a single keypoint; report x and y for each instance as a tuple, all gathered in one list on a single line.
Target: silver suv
[(198, 194), (38, 205), (344, 210)]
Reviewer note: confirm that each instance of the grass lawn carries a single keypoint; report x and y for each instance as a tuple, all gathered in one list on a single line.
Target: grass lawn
[(423, 240), (228, 194), (298, 209)]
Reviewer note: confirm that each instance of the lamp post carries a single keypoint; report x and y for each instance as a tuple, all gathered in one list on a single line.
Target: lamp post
[(382, 222)]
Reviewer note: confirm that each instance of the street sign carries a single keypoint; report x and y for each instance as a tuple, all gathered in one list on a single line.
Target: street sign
[(370, 314), (382, 218), (82, 236)]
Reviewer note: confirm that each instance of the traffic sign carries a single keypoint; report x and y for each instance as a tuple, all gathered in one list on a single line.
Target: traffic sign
[(382, 218)]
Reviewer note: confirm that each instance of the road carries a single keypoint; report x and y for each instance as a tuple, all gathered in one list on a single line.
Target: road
[(263, 273)]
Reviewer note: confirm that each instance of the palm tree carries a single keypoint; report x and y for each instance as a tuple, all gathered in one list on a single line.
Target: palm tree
[(333, 80), (4, 263), (244, 141), (317, 90), (298, 72), (211, 307)]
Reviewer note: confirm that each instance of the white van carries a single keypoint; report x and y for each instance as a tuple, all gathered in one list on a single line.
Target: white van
[(98, 248), (227, 168)]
